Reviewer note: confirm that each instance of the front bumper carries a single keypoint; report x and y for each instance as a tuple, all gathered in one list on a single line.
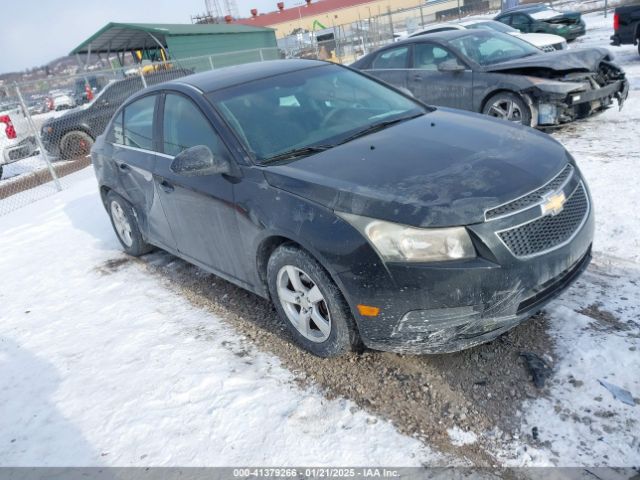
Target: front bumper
[(581, 104), (446, 307), (575, 30)]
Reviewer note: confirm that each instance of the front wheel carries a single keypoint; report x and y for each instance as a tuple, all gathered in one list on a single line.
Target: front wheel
[(508, 106), (310, 303)]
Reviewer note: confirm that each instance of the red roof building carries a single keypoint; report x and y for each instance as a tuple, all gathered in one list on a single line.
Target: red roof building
[(314, 8)]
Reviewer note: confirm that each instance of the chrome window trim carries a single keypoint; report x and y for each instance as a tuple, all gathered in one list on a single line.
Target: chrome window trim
[(143, 150), (515, 212), (188, 85), (560, 245)]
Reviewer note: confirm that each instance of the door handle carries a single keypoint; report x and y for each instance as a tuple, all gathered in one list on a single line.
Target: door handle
[(166, 186), (416, 76), (124, 167)]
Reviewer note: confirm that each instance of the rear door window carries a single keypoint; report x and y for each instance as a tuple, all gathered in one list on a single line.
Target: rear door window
[(393, 58), (505, 19), (116, 134), (138, 123)]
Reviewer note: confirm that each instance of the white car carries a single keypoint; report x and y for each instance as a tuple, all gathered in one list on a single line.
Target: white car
[(544, 41), (16, 140), (63, 101)]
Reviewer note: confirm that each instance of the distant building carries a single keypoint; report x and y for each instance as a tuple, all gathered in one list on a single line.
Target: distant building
[(176, 41), (321, 14)]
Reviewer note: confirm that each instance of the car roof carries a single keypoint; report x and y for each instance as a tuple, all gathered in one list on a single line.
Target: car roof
[(526, 7), (472, 21), (226, 77), (435, 26), (443, 36)]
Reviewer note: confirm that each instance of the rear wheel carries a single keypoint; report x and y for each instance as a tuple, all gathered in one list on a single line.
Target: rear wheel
[(310, 303), (508, 106), (125, 224), (75, 144)]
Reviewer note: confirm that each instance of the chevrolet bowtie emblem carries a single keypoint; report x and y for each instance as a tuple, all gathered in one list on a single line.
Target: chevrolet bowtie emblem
[(553, 203)]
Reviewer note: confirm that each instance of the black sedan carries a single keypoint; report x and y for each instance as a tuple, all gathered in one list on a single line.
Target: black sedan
[(363, 214), (71, 135), (500, 75)]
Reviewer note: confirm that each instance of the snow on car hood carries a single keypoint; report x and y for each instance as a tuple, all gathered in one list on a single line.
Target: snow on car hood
[(539, 39), (587, 59)]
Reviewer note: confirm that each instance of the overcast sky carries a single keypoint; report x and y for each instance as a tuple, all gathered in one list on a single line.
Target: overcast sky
[(35, 32)]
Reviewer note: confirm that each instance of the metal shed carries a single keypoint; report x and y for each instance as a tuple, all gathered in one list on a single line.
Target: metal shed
[(178, 41)]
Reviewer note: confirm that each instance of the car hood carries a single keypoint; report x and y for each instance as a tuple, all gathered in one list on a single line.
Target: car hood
[(539, 39), (586, 59), (443, 169)]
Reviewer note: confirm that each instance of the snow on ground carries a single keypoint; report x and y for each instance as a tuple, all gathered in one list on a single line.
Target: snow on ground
[(461, 437), (596, 326), (26, 165), (596, 323), (103, 365)]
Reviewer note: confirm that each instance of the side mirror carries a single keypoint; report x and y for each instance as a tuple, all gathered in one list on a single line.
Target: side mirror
[(451, 66), (199, 161)]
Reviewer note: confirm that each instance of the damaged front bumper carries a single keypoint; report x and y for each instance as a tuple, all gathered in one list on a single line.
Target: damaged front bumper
[(451, 306), (551, 110)]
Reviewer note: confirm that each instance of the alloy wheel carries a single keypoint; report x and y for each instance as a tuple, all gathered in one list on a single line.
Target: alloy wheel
[(507, 110), (304, 304), (120, 222)]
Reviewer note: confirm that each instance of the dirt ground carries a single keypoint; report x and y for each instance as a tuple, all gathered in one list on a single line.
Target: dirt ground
[(423, 396)]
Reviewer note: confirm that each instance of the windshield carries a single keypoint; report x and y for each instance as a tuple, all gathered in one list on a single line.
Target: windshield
[(489, 49), (315, 107), (544, 13), (492, 25)]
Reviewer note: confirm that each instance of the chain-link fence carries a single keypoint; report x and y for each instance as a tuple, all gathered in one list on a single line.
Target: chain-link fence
[(47, 126), (346, 43)]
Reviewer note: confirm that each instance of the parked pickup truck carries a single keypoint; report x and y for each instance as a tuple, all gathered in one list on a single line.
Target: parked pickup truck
[(16, 139), (626, 26)]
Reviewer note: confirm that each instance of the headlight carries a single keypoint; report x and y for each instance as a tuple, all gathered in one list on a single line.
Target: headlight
[(401, 243)]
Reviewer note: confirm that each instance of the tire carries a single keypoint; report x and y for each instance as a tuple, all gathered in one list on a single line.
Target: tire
[(498, 106), (125, 225), (75, 144), (337, 336)]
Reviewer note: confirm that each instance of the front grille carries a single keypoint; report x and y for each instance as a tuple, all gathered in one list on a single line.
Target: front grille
[(548, 232), (532, 198), (558, 46)]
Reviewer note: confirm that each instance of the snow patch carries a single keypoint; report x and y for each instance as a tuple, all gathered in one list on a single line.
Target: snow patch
[(461, 437)]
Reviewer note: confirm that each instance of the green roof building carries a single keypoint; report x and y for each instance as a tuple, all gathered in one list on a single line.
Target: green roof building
[(182, 41)]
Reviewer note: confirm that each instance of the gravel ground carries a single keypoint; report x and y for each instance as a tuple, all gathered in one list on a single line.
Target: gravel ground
[(423, 396)]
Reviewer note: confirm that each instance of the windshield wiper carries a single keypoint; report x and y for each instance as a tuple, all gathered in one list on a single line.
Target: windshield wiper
[(376, 127), (297, 153)]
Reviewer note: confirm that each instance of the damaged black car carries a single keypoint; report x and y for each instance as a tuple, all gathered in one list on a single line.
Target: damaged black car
[(501, 76), (364, 215)]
